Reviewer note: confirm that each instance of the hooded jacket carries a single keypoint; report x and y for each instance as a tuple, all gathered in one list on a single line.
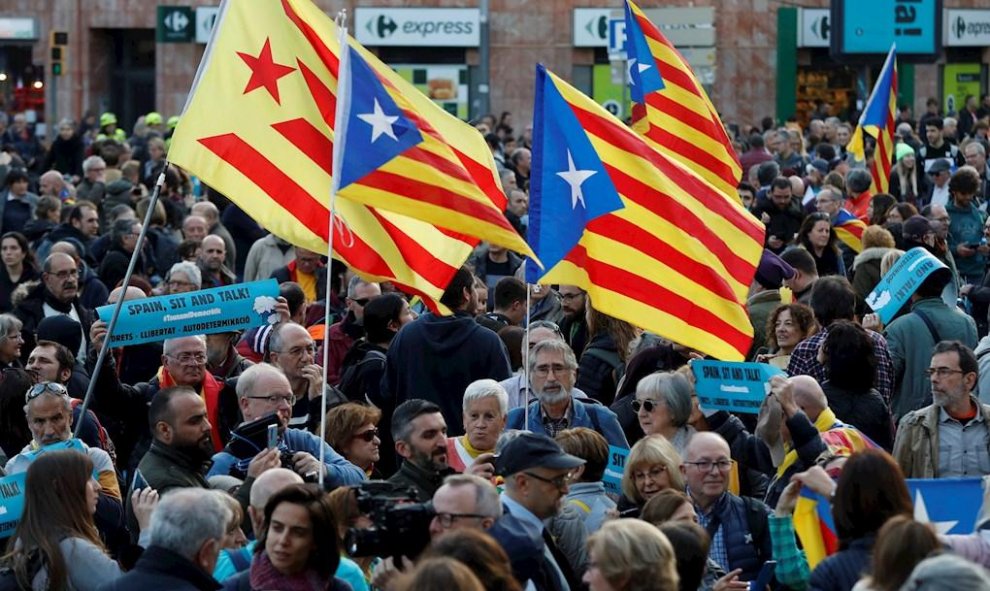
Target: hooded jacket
[(436, 357)]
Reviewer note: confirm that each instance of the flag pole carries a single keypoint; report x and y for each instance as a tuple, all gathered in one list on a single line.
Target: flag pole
[(105, 347), (341, 22)]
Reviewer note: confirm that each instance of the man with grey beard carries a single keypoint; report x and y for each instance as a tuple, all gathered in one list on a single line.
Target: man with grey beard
[(552, 372)]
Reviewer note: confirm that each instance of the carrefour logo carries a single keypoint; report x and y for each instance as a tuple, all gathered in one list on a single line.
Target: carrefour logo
[(419, 26), (384, 26), (971, 29)]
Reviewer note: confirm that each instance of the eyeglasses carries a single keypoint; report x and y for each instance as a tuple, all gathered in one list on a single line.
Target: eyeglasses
[(63, 275), (274, 399), (297, 351), (706, 465), (942, 372), (360, 301), (189, 358), (447, 519), (648, 405), (40, 388), (558, 481), (654, 472), (544, 370), (368, 436)]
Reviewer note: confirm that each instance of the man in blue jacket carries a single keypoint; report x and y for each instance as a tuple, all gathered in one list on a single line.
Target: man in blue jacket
[(435, 357), (552, 368)]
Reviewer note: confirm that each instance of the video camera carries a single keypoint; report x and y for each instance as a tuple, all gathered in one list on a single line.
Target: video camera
[(402, 525)]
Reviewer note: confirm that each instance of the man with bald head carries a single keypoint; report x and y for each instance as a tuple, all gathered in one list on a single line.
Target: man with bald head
[(211, 263), (194, 227), (209, 212), (740, 536), (797, 425), (292, 349)]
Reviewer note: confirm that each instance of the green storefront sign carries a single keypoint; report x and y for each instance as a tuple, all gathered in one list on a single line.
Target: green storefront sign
[(608, 90), (175, 24), (959, 80)]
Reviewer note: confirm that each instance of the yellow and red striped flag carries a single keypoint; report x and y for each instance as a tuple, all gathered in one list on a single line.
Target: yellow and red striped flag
[(671, 109), (651, 242), (259, 127), (879, 122), (849, 229)]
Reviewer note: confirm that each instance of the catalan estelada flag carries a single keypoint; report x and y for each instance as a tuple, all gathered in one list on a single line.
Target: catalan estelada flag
[(849, 229), (651, 242), (259, 127), (671, 109), (879, 121), (815, 527)]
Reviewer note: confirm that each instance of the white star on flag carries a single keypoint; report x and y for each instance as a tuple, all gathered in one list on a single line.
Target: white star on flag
[(640, 67), (380, 123), (921, 515), (575, 178)]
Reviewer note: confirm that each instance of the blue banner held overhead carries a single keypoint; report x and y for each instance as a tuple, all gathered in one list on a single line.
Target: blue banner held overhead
[(616, 466), (899, 284), (731, 386), (208, 311)]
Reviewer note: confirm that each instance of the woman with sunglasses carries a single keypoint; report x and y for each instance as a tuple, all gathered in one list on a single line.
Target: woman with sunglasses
[(816, 236), (663, 407), (56, 544), (352, 430)]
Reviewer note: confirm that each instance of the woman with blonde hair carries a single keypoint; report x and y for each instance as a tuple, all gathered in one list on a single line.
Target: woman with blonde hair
[(630, 555), (653, 465)]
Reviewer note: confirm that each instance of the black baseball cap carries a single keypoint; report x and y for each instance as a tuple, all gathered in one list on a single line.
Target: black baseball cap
[(533, 450)]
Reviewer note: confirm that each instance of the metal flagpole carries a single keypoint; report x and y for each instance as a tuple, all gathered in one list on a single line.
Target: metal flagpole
[(105, 348), (341, 22)]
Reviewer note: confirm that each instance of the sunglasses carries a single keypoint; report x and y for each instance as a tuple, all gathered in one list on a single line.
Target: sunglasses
[(647, 405), (39, 389), (360, 301), (368, 435)]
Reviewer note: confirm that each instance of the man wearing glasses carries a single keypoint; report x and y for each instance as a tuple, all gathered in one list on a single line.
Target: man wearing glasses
[(292, 350), (183, 364), (949, 438), (465, 501), (738, 526), (552, 372), (261, 390), (58, 293), (537, 478)]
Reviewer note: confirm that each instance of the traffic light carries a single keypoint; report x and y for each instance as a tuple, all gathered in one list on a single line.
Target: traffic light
[(59, 41)]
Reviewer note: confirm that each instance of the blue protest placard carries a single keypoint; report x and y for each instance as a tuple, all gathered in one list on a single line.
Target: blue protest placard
[(616, 466), (12, 487), (899, 284), (731, 386), (11, 502), (221, 309), (950, 505)]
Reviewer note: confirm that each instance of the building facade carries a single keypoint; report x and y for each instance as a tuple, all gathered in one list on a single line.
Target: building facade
[(757, 58)]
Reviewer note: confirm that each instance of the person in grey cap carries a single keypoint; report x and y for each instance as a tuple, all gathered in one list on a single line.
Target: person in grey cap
[(537, 475)]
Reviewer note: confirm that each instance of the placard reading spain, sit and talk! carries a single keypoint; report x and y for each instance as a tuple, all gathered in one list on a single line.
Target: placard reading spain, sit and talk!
[(221, 309), (731, 386), (899, 284)]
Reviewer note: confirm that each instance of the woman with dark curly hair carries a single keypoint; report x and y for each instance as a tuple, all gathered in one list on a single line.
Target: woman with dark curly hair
[(788, 325), (850, 363), (816, 236)]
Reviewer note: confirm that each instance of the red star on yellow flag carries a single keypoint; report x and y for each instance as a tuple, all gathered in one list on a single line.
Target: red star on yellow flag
[(264, 71)]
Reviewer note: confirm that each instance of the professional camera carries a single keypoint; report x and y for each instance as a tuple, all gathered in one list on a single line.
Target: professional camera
[(249, 439), (402, 525)]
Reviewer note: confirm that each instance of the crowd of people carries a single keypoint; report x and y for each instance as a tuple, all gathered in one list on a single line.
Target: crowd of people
[(474, 448)]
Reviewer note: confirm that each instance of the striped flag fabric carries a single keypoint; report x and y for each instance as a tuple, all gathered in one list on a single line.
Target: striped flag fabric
[(672, 110), (649, 241), (849, 229), (259, 127), (879, 122), (815, 527)]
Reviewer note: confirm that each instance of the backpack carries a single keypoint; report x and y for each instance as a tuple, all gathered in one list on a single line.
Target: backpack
[(8, 578), (350, 382), (106, 444), (612, 359)]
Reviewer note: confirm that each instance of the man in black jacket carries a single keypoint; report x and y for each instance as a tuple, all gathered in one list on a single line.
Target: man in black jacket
[(186, 532), (420, 435), (781, 213)]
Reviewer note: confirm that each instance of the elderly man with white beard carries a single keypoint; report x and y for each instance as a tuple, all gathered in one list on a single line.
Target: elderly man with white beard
[(552, 372)]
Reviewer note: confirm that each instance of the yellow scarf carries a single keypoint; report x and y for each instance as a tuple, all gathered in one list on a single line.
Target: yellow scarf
[(825, 421)]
